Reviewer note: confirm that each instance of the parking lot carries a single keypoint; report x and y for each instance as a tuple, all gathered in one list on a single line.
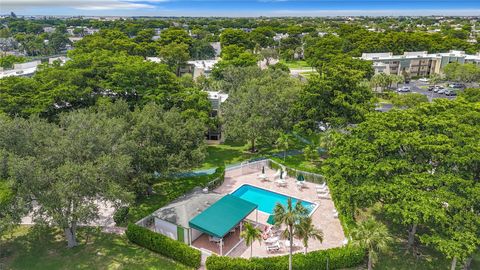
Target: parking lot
[(422, 88)]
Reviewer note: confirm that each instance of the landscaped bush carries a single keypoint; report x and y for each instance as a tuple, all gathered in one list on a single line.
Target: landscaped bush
[(120, 215), (337, 258), (168, 247), (217, 178)]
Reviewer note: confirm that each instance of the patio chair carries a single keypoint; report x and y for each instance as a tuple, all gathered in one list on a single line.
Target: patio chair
[(277, 174), (335, 214), (281, 183), (323, 195), (274, 247), (300, 184), (214, 239), (322, 186), (272, 240)]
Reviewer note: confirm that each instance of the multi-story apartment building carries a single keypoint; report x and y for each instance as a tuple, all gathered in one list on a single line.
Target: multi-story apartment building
[(417, 64)]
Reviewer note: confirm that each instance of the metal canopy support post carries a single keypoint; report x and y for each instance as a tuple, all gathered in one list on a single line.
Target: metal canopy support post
[(221, 246)]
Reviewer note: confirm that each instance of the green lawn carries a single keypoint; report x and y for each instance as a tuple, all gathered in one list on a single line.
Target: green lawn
[(298, 64), (298, 162), (46, 249)]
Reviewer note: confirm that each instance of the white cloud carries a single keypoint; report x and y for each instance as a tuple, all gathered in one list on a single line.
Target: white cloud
[(80, 4)]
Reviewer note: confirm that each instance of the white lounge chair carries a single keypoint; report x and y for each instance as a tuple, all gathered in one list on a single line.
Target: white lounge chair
[(274, 247), (262, 177), (281, 183), (272, 240), (277, 174), (300, 184), (322, 186), (335, 213)]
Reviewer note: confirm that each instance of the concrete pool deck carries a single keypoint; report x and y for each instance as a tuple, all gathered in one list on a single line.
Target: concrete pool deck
[(322, 216)]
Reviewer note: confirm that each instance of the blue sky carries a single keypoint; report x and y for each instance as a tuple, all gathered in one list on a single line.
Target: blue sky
[(249, 8)]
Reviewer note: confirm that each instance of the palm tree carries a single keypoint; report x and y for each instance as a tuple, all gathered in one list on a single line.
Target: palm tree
[(283, 142), (373, 236), (306, 230), (289, 215), (251, 234)]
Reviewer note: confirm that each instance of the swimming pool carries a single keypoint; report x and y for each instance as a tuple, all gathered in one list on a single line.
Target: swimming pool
[(265, 199)]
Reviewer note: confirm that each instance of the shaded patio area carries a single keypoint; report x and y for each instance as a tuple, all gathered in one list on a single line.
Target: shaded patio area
[(229, 242)]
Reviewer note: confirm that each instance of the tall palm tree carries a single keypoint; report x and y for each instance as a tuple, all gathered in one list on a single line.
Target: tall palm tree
[(306, 230), (289, 215), (373, 236), (251, 234)]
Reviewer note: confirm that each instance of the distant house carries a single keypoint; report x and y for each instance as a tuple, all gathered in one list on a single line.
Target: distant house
[(217, 47), (216, 99), (48, 29), (201, 67)]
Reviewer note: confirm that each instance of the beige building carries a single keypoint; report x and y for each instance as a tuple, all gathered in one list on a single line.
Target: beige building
[(417, 64)]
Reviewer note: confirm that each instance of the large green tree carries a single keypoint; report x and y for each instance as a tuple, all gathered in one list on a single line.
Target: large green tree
[(259, 110), (421, 165)]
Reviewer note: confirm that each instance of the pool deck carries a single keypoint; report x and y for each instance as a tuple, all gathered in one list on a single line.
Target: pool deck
[(322, 216)]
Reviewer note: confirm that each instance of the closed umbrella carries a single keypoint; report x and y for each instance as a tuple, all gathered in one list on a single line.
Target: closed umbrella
[(271, 220), (300, 178)]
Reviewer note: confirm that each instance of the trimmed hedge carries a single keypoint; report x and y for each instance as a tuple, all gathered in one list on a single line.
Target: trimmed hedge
[(338, 258), (164, 245)]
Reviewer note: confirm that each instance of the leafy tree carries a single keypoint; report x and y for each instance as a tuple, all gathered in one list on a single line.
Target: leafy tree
[(268, 54), (338, 99), (471, 94), (258, 110), (163, 142), (235, 37), (289, 216), (8, 61), (413, 161), (175, 36), (374, 237), (74, 167), (251, 234), (284, 143), (305, 230), (202, 49), (408, 100), (174, 55)]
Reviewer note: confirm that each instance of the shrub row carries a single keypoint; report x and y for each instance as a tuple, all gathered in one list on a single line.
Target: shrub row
[(337, 258), (217, 178), (164, 245)]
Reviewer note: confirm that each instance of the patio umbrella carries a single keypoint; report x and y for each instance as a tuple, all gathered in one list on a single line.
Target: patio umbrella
[(281, 174), (300, 178), (263, 169), (271, 220)]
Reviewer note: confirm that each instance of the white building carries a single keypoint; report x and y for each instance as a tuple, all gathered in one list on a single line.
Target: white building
[(216, 99), (202, 67), (21, 69), (417, 63)]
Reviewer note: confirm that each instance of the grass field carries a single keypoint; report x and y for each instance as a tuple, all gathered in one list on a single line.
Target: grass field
[(46, 249), (298, 64)]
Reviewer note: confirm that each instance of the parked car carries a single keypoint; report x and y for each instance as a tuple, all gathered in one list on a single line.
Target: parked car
[(450, 92), (457, 85), (431, 87), (404, 89), (437, 88), (441, 91), (423, 80)]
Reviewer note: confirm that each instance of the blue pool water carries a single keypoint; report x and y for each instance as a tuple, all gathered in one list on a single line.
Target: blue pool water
[(265, 199)]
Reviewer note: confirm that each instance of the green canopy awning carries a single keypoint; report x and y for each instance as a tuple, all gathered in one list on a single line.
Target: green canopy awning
[(271, 220), (222, 216)]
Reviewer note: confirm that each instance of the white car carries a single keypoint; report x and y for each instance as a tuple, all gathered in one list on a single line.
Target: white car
[(423, 80), (404, 89)]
